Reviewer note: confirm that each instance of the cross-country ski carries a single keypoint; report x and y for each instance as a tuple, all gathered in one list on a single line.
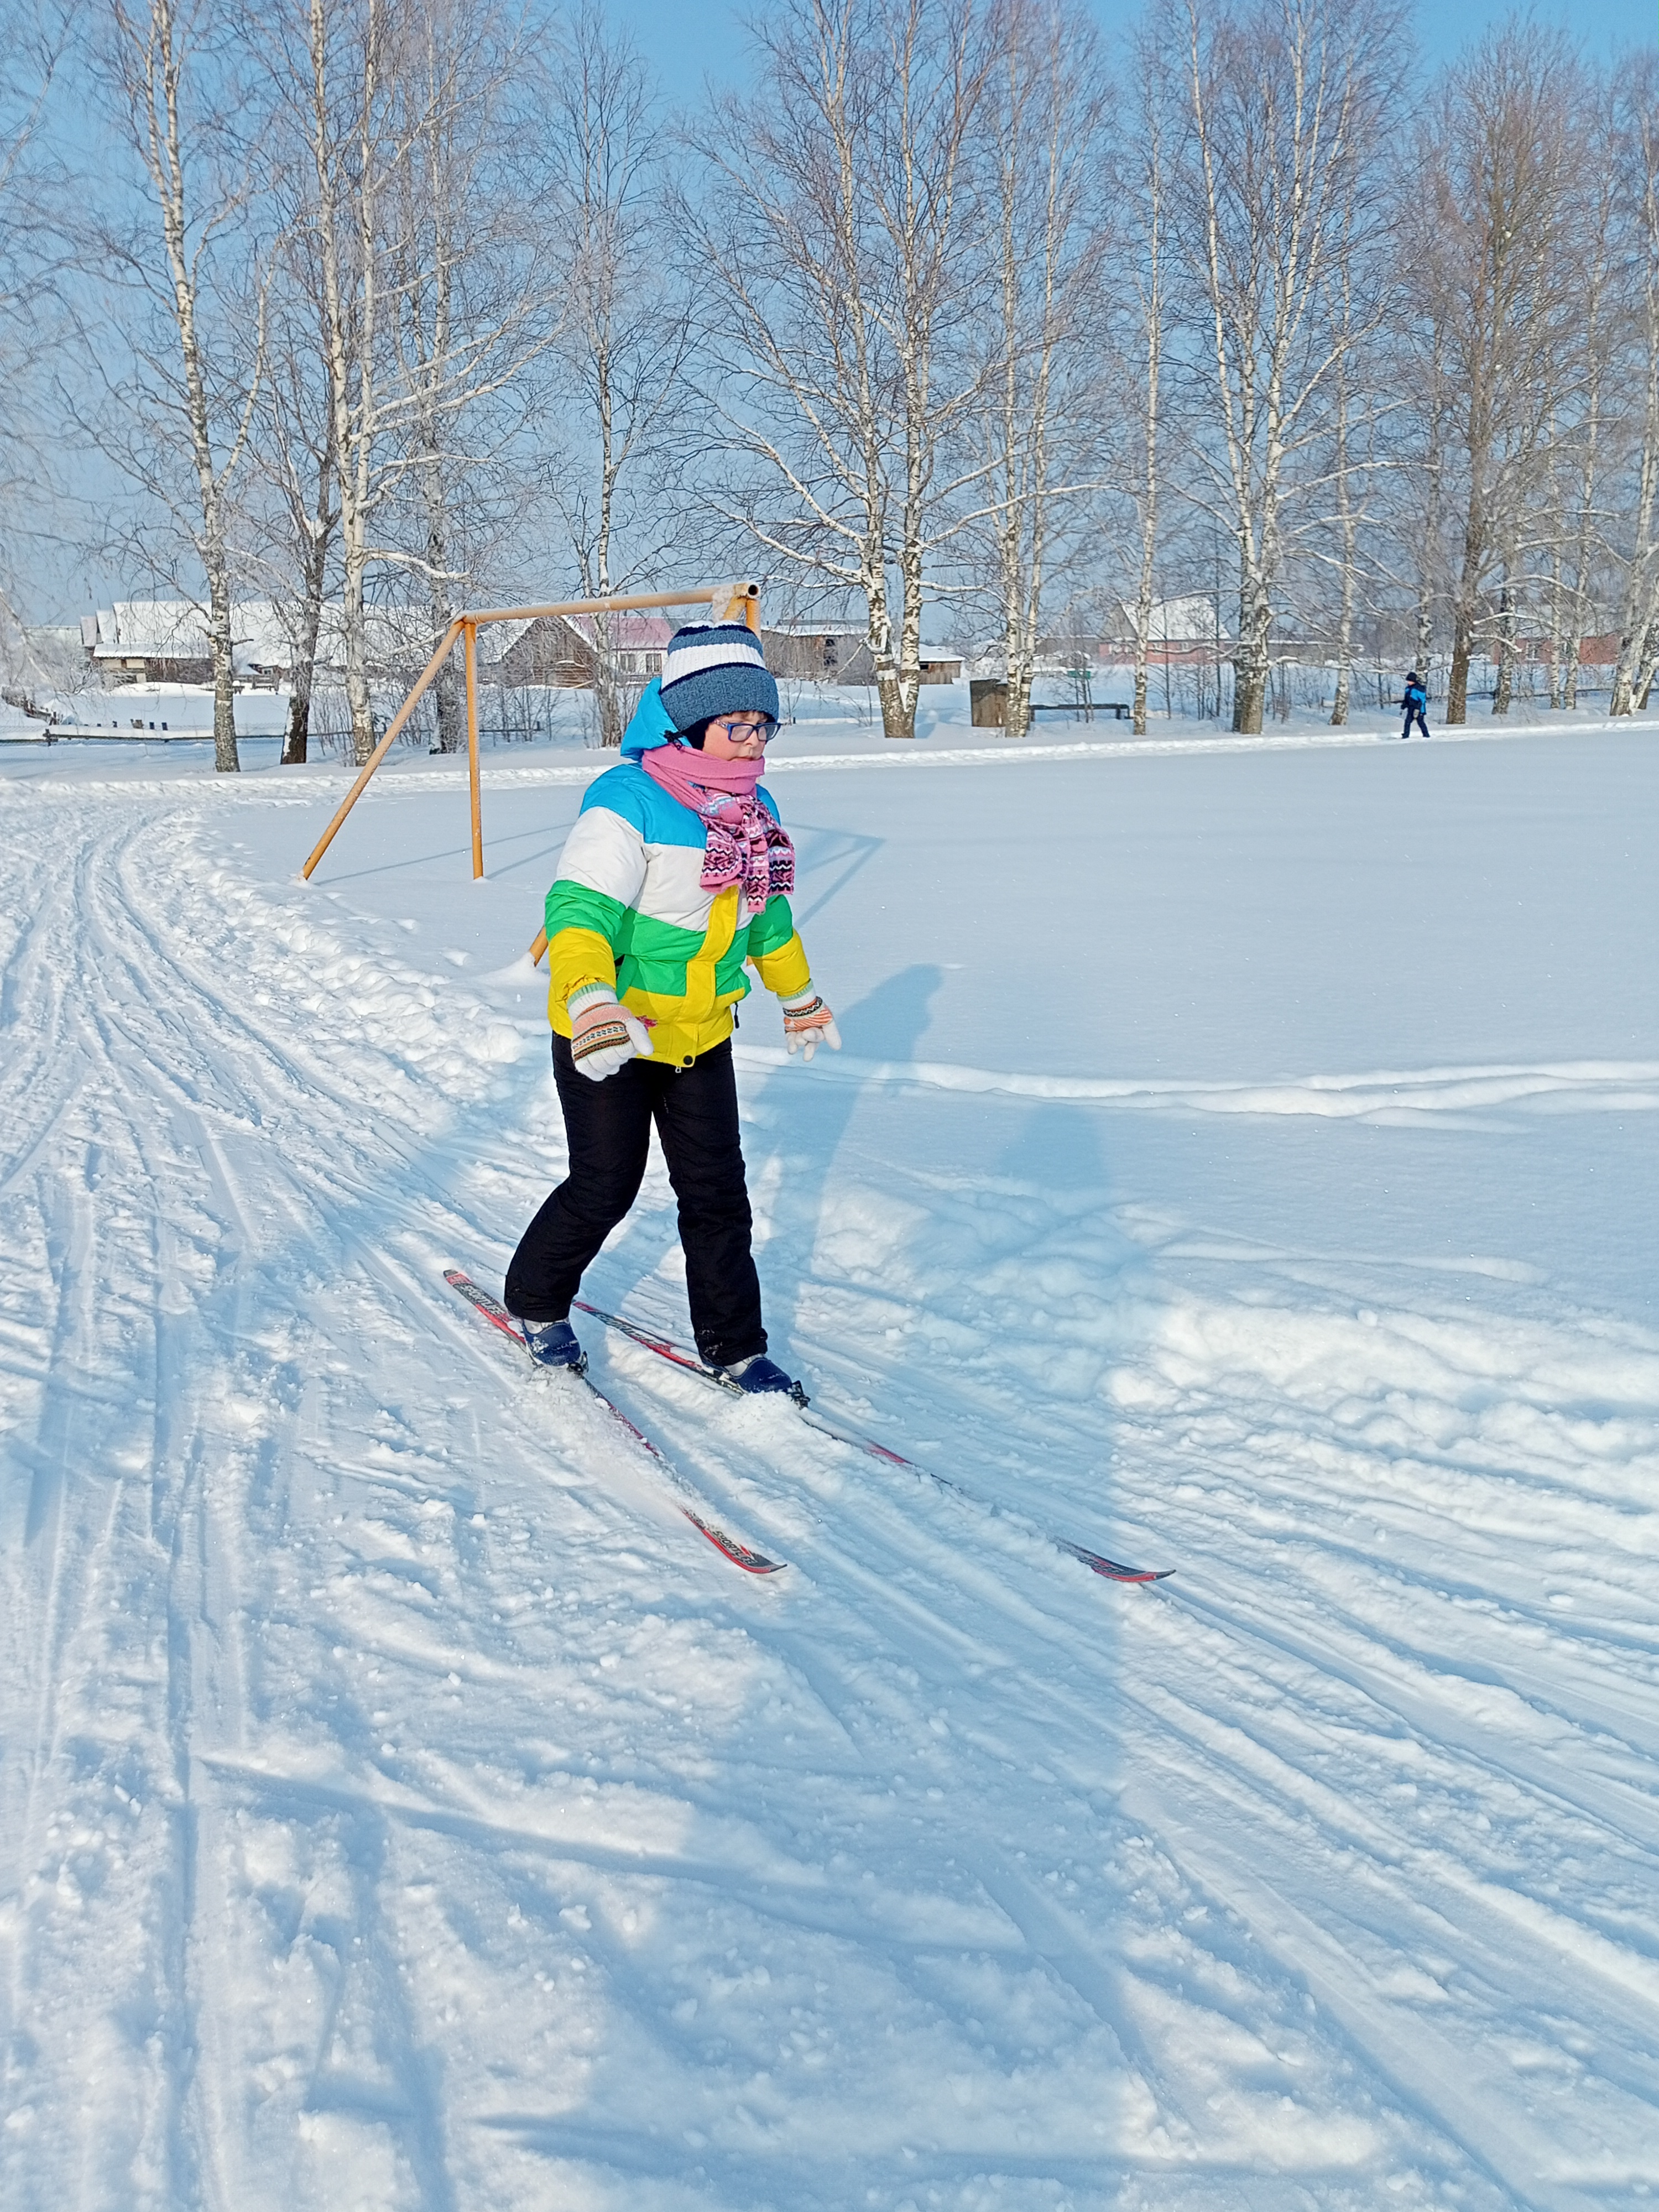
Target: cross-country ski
[(685, 1359)]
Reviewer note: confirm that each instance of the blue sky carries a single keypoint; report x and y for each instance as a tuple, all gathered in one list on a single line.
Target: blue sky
[(688, 43)]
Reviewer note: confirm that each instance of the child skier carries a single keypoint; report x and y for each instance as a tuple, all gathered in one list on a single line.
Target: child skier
[(676, 873), (1416, 698)]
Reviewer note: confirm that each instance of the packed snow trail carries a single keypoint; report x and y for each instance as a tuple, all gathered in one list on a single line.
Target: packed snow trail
[(401, 1808)]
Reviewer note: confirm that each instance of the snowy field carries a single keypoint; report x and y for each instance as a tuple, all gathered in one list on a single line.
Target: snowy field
[(1243, 1159)]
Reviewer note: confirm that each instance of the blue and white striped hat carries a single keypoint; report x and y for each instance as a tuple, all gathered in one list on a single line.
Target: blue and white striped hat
[(715, 668)]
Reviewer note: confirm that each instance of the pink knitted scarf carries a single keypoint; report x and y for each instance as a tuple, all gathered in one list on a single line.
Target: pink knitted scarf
[(744, 844)]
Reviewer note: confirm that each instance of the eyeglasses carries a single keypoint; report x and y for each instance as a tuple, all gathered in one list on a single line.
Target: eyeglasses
[(766, 729)]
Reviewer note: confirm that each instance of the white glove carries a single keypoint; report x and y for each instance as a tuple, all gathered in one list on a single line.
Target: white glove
[(604, 1034), (808, 1023)]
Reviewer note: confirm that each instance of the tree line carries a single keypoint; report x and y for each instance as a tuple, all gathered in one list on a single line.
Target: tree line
[(957, 311)]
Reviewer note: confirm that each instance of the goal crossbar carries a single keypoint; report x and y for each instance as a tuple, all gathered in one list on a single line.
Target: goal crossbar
[(726, 603)]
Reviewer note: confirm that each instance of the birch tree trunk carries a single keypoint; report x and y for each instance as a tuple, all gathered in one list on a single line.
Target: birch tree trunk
[(293, 452), (1429, 523), (425, 253), (159, 54), (1147, 416), (1348, 527), (313, 577), (1347, 519), (1504, 690), (345, 91), (1638, 148), (1043, 110), (1501, 280), (1649, 664), (1559, 678), (1283, 105), (1605, 186)]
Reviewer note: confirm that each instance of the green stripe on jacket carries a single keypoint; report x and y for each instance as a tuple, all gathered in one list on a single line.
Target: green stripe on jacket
[(653, 956)]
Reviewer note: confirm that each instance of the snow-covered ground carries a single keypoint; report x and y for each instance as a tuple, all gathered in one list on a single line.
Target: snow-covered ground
[(1243, 1159)]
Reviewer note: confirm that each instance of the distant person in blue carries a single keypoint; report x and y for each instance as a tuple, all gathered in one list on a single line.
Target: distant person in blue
[(1415, 699)]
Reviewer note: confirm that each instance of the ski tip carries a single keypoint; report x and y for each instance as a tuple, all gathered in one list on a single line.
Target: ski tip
[(752, 1563), (1112, 1570)]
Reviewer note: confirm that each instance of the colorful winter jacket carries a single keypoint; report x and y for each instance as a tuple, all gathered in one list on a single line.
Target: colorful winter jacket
[(628, 910)]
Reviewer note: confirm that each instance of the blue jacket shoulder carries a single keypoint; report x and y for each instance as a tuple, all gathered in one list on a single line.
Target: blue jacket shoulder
[(627, 791)]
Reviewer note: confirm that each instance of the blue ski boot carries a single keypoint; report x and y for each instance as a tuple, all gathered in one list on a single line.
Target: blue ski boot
[(553, 1344), (757, 1373)]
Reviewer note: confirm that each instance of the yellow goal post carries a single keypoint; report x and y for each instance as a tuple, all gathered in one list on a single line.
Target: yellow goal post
[(725, 602)]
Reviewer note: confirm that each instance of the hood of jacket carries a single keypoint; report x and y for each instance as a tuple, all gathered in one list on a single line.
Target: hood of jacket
[(651, 724)]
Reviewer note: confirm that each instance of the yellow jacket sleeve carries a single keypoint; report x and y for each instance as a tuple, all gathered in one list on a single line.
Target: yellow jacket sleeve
[(575, 957), (784, 971)]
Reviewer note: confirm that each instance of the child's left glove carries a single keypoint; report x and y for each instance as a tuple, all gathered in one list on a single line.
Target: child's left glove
[(604, 1035), (808, 1023)]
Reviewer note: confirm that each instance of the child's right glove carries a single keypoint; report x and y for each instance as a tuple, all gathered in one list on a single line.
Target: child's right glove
[(604, 1034), (808, 1023)]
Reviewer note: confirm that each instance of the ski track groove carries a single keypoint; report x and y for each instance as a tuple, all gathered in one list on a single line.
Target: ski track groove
[(1260, 1775), (1426, 1713)]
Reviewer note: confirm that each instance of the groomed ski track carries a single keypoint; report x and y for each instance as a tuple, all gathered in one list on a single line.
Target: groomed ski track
[(401, 1807)]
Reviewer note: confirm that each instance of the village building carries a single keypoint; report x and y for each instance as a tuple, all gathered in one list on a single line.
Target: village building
[(831, 653), (165, 641), (563, 650)]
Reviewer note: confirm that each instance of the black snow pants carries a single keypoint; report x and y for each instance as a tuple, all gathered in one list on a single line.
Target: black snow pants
[(1414, 714), (608, 1128)]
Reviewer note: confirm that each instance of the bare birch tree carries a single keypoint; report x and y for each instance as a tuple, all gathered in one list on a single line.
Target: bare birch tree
[(839, 251), (1284, 102), (620, 398), (1428, 520), (474, 283), (433, 207), (347, 65), (1347, 522), (295, 541), (1044, 106), (177, 85), (1355, 413), (1599, 355), (389, 103), (1497, 279), (1143, 403), (1637, 146)]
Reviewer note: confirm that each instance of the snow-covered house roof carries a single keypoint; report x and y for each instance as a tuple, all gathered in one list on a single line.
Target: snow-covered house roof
[(138, 635), (153, 639)]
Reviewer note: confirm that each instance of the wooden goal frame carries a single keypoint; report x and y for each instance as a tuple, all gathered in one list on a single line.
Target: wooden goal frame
[(726, 603)]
